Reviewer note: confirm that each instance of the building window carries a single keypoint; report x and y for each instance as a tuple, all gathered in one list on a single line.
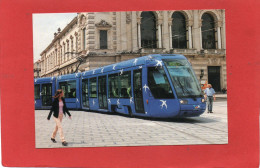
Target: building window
[(179, 39), (72, 47), (84, 38), (61, 60), (103, 39), (64, 52), (208, 32), (68, 49), (148, 30)]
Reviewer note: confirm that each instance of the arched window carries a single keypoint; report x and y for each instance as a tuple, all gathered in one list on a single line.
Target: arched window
[(179, 38), (208, 32), (148, 30)]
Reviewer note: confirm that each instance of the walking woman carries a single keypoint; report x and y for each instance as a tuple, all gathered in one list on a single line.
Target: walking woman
[(59, 108)]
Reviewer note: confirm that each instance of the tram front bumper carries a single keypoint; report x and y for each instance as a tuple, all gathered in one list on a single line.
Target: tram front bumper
[(192, 110)]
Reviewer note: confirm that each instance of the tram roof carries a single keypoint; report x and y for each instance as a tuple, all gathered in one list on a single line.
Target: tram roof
[(44, 80), (69, 76), (129, 63)]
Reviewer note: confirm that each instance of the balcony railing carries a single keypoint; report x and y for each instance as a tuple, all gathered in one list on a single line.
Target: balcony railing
[(213, 52), (184, 51), (153, 50)]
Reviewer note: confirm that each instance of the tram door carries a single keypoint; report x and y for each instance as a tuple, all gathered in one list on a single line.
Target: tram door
[(102, 92), (138, 94), (85, 95), (46, 94)]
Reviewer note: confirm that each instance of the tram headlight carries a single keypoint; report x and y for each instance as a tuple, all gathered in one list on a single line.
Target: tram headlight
[(184, 101), (202, 100)]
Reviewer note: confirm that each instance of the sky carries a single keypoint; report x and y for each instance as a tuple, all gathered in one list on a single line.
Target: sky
[(44, 27)]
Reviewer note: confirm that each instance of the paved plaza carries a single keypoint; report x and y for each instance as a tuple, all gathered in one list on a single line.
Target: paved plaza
[(91, 129)]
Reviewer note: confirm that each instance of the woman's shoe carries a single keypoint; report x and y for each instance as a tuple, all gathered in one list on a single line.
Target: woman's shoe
[(53, 140), (64, 143)]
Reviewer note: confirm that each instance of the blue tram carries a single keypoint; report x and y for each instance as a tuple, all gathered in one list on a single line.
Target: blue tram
[(160, 86)]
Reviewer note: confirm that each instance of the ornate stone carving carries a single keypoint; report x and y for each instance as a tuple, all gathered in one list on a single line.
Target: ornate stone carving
[(170, 21), (189, 22), (219, 23), (103, 23), (160, 21), (128, 18), (200, 22), (138, 20), (82, 19)]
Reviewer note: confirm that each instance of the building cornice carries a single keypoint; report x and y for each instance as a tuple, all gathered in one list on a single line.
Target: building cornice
[(62, 33)]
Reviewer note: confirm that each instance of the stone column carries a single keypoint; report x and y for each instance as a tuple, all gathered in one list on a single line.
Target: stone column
[(196, 31), (223, 34), (190, 38), (118, 32), (139, 31), (123, 37), (219, 34), (170, 31), (134, 32), (190, 33), (200, 25), (159, 27), (160, 35), (165, 31), (219, 39)]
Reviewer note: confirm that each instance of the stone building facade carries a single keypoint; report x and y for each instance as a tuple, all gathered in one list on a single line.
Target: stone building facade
[(37, 69), (95, 39)]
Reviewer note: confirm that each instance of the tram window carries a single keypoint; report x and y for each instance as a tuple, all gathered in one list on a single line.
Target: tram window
[(113, 90), (93, 87), (36, 91), (69, 89), (125, 85), (159, 84)]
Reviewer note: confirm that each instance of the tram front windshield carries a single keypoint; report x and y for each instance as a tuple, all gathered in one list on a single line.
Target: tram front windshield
[(183, 78)]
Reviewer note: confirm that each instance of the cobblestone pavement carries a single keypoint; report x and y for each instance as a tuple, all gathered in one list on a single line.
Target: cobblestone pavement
[(90, 129)]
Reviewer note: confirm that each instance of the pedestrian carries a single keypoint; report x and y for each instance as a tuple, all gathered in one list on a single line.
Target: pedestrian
[(210, 96), (58, 109)]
